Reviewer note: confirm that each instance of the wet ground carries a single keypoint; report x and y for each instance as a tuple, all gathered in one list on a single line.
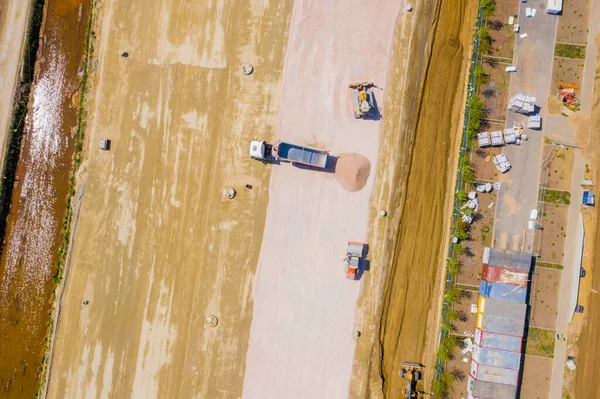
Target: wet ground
[(33, 234)]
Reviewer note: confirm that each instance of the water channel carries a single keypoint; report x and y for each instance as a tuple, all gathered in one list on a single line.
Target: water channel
[(33, 233)]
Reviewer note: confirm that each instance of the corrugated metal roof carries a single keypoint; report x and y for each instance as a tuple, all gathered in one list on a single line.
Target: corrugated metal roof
[(494, 374), (495, 274), (495, 357), (503, 291), (510, 259), (491, 340), (504, 317), (490, 390)]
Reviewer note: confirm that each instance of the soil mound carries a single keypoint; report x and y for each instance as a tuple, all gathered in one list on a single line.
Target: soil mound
[(352, 171)]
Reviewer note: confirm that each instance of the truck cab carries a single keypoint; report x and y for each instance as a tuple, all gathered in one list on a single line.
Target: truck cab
[(261, 150)]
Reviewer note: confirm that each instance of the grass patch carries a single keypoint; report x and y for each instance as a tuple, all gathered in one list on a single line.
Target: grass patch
[(540, 342), (556, 197), (569, 51), (547, 265)]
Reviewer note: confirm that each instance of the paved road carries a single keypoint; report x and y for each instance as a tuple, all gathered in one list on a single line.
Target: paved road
[(566, 286), (570, 261), (533, 58)]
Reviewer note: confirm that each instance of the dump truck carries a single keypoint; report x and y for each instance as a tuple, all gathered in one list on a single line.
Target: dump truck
[(284, 151), (411, 372), (362, 99), (354, 254)]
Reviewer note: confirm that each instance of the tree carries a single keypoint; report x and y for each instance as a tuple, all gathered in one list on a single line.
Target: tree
[(453, 266), (452, 315), (442, 384), (453, 294), (481, 77), (489, 7), (461, 196), (467, 171)]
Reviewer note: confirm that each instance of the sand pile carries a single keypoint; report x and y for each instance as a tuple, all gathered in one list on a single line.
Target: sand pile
[(352, 171)]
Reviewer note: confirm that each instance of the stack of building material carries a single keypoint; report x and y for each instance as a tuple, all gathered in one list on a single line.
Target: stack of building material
[(521, 103), (500, 325), (534, 122), (510, 135), (496, 138), (484, 139), (502, 163)]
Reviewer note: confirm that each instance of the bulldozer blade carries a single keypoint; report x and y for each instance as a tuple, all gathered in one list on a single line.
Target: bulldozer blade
[(411, 364), (357, 84)]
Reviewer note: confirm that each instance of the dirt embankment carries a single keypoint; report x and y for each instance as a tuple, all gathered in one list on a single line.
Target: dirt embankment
[(422, 134)]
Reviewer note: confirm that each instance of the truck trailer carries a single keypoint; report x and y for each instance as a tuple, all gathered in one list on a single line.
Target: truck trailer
[(284, 151)]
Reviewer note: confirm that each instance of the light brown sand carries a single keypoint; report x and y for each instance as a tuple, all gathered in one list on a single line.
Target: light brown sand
[(352, 171), (156, 248), (302, 343)]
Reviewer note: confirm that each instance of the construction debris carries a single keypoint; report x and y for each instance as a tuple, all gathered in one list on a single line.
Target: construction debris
[(522, 103), (502, 163), (483, 139), (496, 138), (534, 122)]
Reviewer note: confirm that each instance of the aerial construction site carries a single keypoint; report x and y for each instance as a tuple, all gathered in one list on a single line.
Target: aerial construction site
[(259, 199)]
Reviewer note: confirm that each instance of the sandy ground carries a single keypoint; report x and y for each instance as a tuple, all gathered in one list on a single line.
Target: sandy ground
[(304, 310), (13, 24), (156, 248)]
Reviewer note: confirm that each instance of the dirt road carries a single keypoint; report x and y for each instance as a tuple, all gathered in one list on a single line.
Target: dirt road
[(302, 334), (13, 24), (411, 298), (156, 249)]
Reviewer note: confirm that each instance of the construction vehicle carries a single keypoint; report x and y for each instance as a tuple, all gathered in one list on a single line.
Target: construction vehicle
[(411, 372), (284, 151), (362, 99), (354, 254), (568, 86)]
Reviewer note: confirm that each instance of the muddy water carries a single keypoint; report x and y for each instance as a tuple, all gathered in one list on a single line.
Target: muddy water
[(33, 234)]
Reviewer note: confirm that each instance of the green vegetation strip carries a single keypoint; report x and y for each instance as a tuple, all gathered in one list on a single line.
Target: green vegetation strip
[(68, 218), (540, 342), (569, 51), (547, 265), (556, 197), (17, 123)]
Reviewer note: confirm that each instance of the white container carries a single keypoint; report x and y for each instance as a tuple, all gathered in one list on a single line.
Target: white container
[(511, 68), (554, 6), (511, 20), (533, 12), (533, 215), (523, 35)]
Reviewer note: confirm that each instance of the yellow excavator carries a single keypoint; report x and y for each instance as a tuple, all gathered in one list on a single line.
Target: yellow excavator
[(411, 372), (362, 99)]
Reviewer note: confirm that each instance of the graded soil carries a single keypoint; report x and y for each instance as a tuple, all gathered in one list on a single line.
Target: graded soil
[(156, 249)]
